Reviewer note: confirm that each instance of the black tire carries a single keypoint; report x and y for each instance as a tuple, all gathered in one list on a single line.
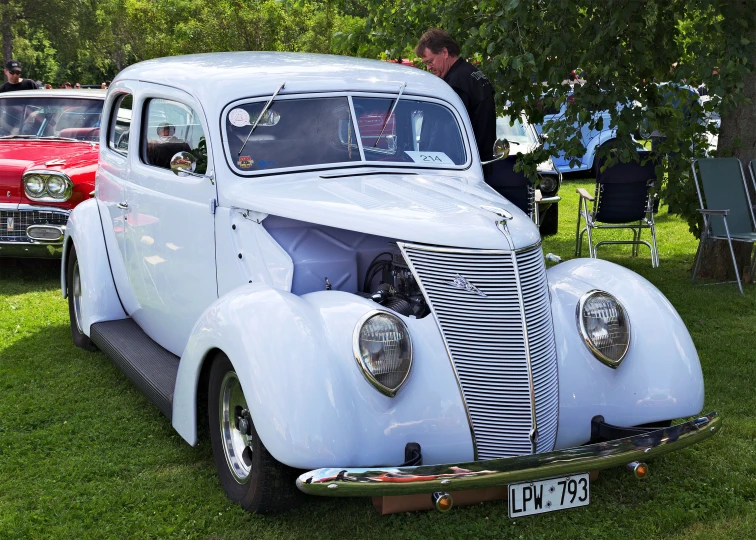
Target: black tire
[(251, 477), (73, 292), (550, 221)]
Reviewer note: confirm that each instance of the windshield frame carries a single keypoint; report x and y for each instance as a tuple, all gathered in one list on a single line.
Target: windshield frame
[(406, 96)]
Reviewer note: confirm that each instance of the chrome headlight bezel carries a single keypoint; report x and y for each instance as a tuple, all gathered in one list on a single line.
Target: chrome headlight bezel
[(585, 334), (364, 368), (46, 195)]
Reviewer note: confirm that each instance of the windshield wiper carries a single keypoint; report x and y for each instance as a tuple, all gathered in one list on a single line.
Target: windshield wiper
[(259, 117), (391, 111)]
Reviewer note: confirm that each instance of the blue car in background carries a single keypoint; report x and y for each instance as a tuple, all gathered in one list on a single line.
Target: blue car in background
[(592, 139)]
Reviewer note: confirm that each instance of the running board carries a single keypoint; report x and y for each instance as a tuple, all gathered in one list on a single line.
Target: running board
[(150, 367)]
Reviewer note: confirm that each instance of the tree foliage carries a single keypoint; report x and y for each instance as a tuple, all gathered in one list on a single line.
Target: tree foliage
[(625, 49), (89, 41)]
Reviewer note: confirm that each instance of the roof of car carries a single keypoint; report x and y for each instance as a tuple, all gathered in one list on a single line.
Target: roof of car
[(63, 93), (220, 78)]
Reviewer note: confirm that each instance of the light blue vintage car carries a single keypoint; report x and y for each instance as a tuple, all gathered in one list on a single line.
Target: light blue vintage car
[(297, 257)]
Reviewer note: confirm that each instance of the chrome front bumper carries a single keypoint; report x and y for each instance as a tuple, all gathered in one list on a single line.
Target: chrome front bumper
[(377, 481)]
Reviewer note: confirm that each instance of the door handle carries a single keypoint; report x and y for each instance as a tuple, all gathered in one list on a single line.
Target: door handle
[(123, 205)]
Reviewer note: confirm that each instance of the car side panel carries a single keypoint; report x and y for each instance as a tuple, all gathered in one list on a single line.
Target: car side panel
[(100, 300), (310, 402), (659, 379)]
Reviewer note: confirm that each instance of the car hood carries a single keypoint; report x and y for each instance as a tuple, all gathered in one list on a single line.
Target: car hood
[(18, 156), (423, 208)]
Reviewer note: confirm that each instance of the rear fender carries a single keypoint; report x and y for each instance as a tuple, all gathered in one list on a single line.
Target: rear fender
[(99, 299)]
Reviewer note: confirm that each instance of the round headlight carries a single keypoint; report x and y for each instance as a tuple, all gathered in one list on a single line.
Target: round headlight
[(56, 186), (604, 326), (34, 185), (548, 183), (383, 350)]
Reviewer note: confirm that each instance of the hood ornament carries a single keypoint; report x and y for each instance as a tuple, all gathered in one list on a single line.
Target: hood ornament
[(498, 211), (56, 161), (464, 285)]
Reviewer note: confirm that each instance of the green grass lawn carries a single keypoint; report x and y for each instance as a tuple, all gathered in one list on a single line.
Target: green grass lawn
[(84, 454)]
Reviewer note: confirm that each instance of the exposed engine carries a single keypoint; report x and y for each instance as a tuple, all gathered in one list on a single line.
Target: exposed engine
[(389, 282)]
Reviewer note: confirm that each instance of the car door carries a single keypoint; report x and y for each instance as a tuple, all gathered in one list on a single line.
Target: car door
[(170, 234), (112, 185)]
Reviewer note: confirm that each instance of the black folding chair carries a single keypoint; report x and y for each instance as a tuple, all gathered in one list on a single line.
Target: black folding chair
[(726, 206), (517, 188), (623, 199)]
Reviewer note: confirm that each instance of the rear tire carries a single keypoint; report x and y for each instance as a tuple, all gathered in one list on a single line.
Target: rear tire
[(248, 473), (73, 285)]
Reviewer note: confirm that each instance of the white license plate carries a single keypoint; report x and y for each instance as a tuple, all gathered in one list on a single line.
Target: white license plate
[(541, 496)]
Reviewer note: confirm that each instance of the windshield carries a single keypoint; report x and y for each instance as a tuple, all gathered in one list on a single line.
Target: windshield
[(36, 117), (515, 133), (321, 131)]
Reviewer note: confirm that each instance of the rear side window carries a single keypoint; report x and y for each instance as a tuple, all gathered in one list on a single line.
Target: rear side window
[(120, 124), (171, 127)]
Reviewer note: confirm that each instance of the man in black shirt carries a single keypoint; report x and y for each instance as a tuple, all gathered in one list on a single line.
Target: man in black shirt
[(15, 82), (440, 53)]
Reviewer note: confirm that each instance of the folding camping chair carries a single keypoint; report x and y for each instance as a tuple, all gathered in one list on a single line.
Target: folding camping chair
[(517, 188), (623, 200), (726, 207)]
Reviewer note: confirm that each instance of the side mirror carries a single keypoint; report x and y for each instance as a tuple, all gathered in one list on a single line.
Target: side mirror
[(183, 162), (500, 151)]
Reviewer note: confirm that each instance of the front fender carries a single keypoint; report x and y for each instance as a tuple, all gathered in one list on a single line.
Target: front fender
[(311, 405), (659, 379), (99, 299)]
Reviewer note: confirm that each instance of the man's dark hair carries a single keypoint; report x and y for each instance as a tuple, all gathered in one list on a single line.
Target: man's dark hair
[(436, 39)]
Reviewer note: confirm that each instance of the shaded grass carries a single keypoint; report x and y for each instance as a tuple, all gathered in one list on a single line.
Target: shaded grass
[(84, 454)]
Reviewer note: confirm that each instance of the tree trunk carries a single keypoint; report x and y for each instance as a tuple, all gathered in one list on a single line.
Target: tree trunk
[(737, 137)]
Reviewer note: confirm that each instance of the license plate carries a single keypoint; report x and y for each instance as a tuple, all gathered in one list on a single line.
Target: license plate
[(541, 496)]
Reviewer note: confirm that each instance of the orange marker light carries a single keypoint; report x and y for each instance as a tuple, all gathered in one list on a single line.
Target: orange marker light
[(639, 469), (442, 501)]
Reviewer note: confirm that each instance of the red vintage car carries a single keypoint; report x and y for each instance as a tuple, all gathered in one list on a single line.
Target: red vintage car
[(49, 143)]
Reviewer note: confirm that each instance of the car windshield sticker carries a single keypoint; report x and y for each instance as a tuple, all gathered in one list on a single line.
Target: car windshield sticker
[(434, 158), (239, 117), (245, 162)]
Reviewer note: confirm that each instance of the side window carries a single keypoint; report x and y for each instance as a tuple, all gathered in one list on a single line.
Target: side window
[(120, 124), (171, 127)]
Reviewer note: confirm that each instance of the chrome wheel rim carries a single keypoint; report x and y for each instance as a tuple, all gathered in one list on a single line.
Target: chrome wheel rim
[(235, 426), (76, 295)]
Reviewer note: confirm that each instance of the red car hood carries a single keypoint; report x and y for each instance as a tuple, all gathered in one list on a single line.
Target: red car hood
[(18, 156)]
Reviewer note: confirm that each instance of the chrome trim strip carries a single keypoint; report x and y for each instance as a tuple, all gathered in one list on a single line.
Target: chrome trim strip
[(528, 359), (390, 392), (37, 208), (378, 481)]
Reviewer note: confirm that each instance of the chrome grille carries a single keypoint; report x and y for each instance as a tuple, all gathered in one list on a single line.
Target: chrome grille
[(21, 219), (486, 339)]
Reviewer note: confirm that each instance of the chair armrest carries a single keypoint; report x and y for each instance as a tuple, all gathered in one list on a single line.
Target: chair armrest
[(714, 212), (583, 193)]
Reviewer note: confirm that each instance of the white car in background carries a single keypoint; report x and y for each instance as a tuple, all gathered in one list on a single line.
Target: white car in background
[(307, 243)]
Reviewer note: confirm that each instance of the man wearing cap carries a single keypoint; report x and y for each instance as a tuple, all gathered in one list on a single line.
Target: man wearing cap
[(15, 82)]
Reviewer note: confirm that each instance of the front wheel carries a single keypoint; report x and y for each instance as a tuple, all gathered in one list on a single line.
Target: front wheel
[(73, 283), (248, 473)]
